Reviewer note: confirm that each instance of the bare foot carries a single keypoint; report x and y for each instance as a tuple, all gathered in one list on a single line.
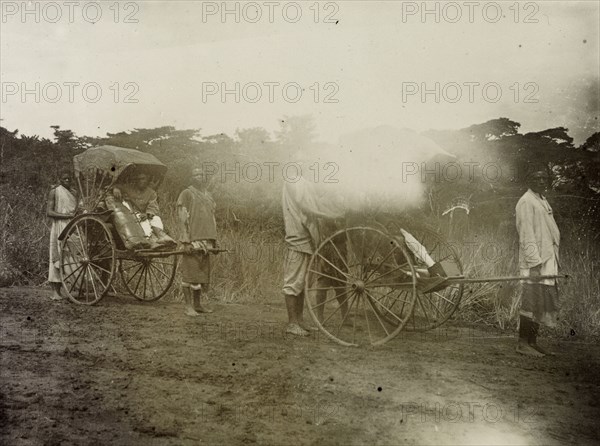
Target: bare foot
[(191, 312), (296, 330), (542, 350), (307, 327), (56, 296), (201, 309), (528, 350)]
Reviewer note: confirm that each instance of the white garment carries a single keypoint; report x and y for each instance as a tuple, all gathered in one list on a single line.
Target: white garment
[(417, 249), (549, 268), (147, 224), (64, 203), (302, 205), (539, 237)]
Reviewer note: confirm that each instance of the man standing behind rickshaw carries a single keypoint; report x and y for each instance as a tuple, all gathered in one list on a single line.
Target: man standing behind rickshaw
[(198, 228), (60, 209)]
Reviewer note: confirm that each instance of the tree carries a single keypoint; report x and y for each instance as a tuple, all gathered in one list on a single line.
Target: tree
[(255, 144), (252, 139), (220, 139), (592, 144), (590, 166), (493, 130), (66, 139), (574, 171)]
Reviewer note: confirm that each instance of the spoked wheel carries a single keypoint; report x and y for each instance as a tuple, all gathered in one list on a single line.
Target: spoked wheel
[(87, 264), (148, 278), (432, 308), (354, 277)]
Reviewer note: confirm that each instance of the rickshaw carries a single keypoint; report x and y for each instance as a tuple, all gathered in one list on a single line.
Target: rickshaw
[(365, 284), (92, 251), (370, 277)]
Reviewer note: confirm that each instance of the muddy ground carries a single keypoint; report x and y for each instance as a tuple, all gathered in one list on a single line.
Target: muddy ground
[(130, 373)]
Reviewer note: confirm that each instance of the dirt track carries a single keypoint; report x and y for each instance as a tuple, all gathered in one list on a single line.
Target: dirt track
[(129, 373)]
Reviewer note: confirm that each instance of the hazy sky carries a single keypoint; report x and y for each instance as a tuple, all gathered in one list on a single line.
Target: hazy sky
[(369, 61)]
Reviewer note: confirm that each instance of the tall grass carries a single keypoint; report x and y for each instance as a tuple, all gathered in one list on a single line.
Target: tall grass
[(581, 293), (485, 255), (252, 272), (489, 253), (23, 237), (252, 269)]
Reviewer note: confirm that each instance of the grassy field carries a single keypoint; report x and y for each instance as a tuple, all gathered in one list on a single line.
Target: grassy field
[(252, 272)]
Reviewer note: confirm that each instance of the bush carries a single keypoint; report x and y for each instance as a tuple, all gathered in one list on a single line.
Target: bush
[(24, 240)]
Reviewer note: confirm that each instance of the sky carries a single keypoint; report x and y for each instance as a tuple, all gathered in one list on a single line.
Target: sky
[(351, 64)]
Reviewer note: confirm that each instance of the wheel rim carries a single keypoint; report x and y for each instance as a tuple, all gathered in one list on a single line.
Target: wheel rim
[(87, 261), (148, 278), (432, 309), (345, 281)]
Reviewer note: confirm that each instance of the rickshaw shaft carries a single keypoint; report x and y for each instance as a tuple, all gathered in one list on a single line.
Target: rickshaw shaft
[(505, 279)]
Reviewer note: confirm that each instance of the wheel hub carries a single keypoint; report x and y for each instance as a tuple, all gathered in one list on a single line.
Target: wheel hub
[(358, 286)]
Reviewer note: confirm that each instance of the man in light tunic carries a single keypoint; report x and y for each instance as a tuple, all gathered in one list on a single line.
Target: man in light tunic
[(198, 228), (539, 240), (301, 209), (60, 209)]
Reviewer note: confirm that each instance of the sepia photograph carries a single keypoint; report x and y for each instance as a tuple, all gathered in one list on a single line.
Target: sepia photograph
[(299, 222)]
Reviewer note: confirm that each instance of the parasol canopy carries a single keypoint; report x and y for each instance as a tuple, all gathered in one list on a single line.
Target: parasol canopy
[(113, 160), (98, 168)]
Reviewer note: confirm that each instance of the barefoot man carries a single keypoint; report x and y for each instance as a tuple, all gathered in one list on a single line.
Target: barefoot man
[(301, 210), (196, 212), (539, 239), (60, 209)]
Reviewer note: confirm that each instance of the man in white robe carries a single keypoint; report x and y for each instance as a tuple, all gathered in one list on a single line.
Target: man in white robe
[(539, 240), (60, 209)]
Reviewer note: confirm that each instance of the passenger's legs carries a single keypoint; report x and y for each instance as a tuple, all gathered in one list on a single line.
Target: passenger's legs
[(419, 251), (436, 271), (157, 228)]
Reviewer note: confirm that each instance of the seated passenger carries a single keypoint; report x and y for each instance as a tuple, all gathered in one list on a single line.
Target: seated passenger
[(141, 200)]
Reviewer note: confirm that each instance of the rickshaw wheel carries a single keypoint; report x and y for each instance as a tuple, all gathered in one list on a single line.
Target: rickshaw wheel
[(360, 266), (432, 309), (87, 263), (148, 278)]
